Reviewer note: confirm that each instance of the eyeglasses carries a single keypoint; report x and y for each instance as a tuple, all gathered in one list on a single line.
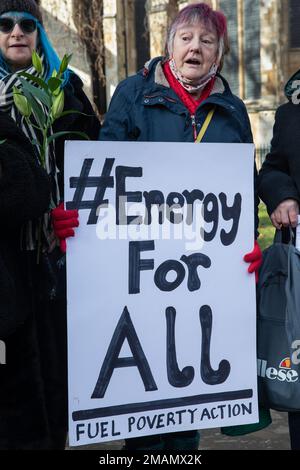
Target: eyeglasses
[(27, 25)]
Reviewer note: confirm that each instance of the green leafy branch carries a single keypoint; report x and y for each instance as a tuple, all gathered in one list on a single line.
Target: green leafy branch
[(44, 101)]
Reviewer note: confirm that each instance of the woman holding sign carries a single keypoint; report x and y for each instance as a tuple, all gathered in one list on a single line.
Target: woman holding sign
[(182, 98)]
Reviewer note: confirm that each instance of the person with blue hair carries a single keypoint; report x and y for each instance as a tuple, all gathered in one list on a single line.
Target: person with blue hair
[(36, 416)]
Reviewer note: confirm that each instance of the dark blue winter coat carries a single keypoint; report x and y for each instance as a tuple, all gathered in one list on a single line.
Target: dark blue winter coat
[(279, 178), (145, 108)]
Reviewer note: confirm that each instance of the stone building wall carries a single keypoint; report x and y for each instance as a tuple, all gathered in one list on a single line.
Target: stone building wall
[(262, 112), (59, 24)]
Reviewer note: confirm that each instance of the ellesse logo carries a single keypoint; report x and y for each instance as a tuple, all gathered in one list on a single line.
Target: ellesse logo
[(285, 363), (284, 373)]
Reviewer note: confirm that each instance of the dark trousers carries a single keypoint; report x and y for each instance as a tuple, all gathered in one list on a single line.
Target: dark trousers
[(33, 384), (52, 337), (50, 312), (294, 427)]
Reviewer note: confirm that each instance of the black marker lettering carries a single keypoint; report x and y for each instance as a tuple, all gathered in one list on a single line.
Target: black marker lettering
[(229, 213), (136, 264), (124, 330), (192, 262), (176, 377), (208, 374), (122, 197)]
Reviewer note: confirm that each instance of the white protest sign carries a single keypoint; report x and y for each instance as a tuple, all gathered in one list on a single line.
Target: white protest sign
[(161, 309)]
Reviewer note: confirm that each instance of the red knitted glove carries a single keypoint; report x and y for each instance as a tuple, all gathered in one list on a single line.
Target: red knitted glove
[(255, 260), (64, 223)]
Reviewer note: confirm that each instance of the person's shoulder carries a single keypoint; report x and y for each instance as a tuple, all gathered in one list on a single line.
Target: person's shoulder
[(238, 103), (143, 78), (132, 83), (229, 96), (126, 92), (74, 82), (74, 92), (287, 110), (75, 96), (240, 107), (75, 87)]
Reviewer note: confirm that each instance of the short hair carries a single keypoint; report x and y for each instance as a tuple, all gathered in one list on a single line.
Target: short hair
[(201, 13)]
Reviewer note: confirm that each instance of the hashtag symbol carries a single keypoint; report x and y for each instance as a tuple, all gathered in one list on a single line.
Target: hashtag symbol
[(85, 181)]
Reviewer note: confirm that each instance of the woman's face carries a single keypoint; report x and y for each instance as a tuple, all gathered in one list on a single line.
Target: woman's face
[(195, 50), (17, 46)]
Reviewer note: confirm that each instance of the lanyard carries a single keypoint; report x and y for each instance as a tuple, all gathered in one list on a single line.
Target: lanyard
[(205, 126)]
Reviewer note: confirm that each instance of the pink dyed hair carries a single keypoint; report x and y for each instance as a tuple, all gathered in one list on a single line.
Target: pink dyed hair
[(201, 13)]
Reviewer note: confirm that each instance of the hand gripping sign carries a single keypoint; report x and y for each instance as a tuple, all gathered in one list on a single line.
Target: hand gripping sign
[(161, 309)]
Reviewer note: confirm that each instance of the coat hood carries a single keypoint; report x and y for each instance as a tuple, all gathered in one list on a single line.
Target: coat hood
[(293, 87)]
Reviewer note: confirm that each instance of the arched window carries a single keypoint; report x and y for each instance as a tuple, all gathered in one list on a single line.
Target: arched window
[(242, 65), (231, 64), (252, 49), (294, 24)]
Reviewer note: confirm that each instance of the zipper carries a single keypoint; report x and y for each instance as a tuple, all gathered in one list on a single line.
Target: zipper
[(159, 95), (194, 126)]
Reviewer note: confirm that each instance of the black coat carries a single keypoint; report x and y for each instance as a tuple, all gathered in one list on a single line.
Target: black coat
[(279, 178), (75, 99), (24, 195)]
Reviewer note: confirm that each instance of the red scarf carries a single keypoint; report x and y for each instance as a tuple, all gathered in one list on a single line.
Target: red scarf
[(190, 103)]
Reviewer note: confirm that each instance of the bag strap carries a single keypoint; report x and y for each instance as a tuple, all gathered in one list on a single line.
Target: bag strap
[(205, 125), (278, 236)]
